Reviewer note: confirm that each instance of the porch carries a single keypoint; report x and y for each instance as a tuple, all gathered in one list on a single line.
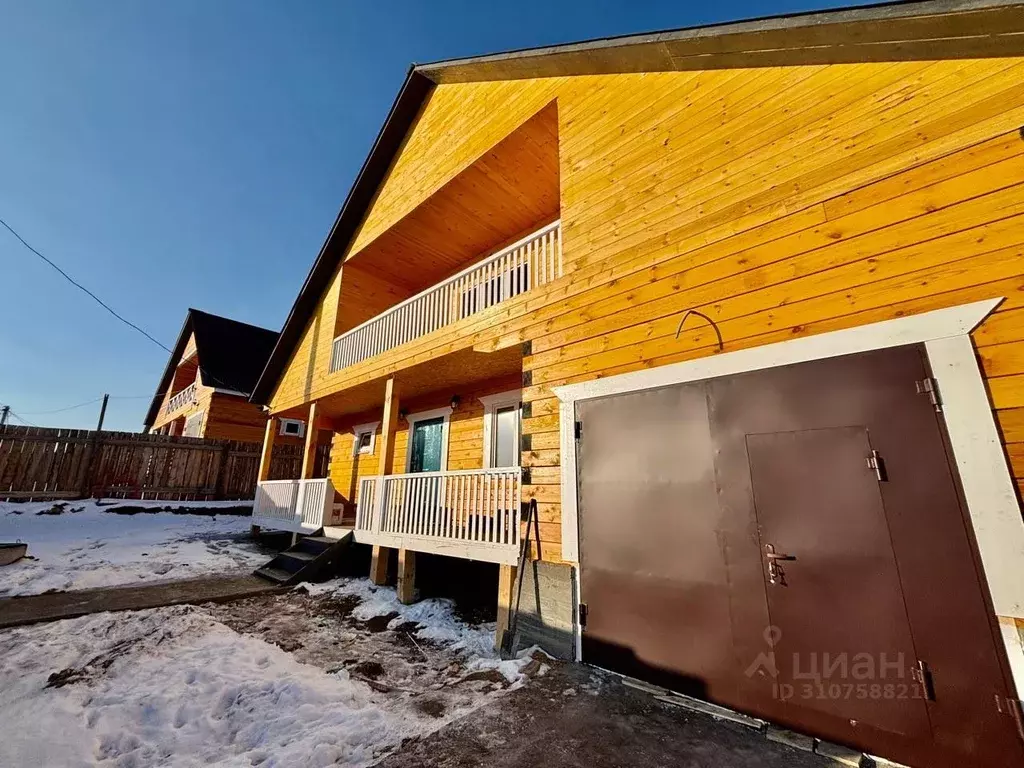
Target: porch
[(299, 506), (472, 514), (468, 514)]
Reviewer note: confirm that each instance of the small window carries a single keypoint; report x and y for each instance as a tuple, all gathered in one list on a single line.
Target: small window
[(365, 442), (364, 438), (293, 428), (193, 425)]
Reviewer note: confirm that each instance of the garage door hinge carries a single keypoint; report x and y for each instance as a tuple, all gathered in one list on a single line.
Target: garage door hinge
[(583, 614), (1012, 707), (877, 463), (579, 429), (928, 387)]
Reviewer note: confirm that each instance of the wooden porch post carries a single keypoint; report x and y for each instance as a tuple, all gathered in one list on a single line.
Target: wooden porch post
[(266, 458), (312, 432), (379, 562), (406, 576), (268, 449), (506, 597)]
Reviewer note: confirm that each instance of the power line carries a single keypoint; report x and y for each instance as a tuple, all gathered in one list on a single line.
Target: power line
[(81, 287), (22, 419), (61, 410)]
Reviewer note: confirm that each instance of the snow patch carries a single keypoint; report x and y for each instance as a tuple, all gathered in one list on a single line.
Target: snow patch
[(436, 617), (88, 545), (170, 686)]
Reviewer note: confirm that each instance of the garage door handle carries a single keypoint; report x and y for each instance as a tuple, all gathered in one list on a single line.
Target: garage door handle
[(775, 573), (771, 554)]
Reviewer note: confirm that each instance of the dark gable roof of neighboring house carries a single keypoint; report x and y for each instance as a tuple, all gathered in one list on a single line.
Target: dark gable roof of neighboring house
[(231, 355), (900, 31)]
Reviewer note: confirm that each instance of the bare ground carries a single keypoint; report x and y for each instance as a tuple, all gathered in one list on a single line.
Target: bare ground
[(567, 715)]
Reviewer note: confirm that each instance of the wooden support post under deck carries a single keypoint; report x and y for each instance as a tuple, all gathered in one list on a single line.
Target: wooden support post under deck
[(389, 424), (379, 565), (406, 576), (506, 600), (312, 433)]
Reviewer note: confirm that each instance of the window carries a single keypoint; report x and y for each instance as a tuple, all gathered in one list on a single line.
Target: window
[(193, 425), (293, 428), (365, 439), (502, 416)]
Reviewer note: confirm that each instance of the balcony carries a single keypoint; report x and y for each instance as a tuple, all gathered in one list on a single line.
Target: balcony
[(533, 261), (300, 506), (183, 398), (470, 514)]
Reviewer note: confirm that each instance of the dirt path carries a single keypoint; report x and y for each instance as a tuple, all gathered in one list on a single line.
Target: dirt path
[(19, 611), (574, 717), (567, 715)]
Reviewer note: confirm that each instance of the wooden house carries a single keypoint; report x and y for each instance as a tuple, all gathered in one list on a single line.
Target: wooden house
[(205, 387), (749, 299)]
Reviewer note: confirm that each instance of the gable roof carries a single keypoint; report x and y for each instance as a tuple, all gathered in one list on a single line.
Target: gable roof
[(899, 31), (231, 355)]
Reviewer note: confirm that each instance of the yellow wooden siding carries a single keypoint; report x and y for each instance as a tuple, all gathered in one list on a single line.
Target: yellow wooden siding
[(307, 368), (781, 202), (457, 126), (465, 436)]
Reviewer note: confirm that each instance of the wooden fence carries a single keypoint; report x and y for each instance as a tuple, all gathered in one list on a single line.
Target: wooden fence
[(41, 464)]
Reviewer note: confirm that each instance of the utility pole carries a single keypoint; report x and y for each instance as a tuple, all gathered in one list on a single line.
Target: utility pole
[(3, 415), (103, 412)]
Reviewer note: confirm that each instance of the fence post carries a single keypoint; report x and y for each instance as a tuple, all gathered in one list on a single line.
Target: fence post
[(222, 471)]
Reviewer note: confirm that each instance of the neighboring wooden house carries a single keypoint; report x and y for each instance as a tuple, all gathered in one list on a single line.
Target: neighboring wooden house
[(750, 300), (205, 388)]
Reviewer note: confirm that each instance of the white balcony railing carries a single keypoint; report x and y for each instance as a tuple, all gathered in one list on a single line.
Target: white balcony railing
[(472, 514), (301, 506), (533, 261), (183, 398)]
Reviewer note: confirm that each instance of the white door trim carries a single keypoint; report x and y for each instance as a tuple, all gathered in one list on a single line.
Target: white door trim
[(412, 418), (977, 449)]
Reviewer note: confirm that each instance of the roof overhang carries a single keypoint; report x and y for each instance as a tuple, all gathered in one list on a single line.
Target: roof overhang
[(901, 31)]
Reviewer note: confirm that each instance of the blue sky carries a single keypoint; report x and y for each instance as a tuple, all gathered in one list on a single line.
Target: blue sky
[(195, 153)]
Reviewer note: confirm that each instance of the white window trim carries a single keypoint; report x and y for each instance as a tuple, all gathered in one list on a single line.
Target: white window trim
[(977, 449), (362, 429), (191, 418), (491, 404), (302, 428), (412, 418)]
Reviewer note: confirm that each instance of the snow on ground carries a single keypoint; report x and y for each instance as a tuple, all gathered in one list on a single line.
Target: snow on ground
[(437, 623), (174, 687), (90, 545)]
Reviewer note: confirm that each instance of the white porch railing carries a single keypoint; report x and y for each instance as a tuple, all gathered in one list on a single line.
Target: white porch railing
[(472, 514), (293, 505), (533, 261), (183, 398)]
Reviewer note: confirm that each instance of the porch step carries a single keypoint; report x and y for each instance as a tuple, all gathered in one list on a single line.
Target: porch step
[(312, 558)]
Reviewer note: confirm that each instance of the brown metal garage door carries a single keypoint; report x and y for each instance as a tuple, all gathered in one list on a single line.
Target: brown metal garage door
[(791, 543)]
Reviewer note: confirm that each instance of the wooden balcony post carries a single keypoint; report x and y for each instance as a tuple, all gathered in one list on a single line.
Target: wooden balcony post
[(506, 597), (406, 576), (312, 431), (389, 424)]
